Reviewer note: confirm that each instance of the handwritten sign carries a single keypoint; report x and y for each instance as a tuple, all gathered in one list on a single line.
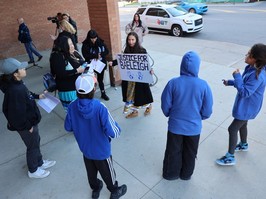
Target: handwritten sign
[(134, 67)]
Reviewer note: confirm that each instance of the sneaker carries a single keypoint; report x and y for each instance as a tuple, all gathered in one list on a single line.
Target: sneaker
[(39, 59), (119, 192), (132, 114), (126, 109), (31, 62), (148, 110), (226, 160), (241, 147), (39, 173), (96, 193), (47, 164)]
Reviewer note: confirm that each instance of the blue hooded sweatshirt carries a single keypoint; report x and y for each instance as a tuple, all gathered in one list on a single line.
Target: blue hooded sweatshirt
[(187, 100), (250, 93), (93, 126)]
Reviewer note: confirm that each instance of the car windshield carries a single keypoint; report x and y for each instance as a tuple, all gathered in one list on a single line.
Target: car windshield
[(176, 11)]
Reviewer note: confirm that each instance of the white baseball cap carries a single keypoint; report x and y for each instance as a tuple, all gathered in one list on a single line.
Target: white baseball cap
[(85, 83)]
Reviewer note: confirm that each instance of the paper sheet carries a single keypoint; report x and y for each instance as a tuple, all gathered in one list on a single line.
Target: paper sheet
[(97, 65), (49, 102)]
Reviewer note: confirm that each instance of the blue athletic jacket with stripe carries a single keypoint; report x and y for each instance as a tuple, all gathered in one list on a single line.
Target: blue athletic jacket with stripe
[(93, 127)]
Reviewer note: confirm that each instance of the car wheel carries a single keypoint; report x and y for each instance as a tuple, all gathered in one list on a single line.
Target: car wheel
[(176, 31), (192, 10)]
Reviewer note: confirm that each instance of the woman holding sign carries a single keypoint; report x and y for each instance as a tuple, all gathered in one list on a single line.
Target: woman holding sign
[(93, 48), (135, 94)]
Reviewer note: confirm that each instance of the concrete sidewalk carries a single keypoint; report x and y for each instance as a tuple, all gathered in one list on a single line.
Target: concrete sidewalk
[(138, 153)]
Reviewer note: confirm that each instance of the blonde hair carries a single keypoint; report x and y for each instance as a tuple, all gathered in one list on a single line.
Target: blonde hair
[(67, 26)]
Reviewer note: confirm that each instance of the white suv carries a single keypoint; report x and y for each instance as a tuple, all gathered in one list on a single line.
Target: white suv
[(170, 18)]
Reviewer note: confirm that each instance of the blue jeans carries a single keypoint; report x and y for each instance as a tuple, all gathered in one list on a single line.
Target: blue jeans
[(30, 49)]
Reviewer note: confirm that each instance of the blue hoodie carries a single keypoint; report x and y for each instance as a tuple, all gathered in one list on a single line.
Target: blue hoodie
[(250, 93), (93, 126), (187, 100)]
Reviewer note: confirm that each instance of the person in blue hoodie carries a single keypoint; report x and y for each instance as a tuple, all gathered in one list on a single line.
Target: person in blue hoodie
[(93, 127), (250, 91), (186, 100)]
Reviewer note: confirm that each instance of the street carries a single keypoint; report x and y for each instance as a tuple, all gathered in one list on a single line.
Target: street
[(242, 24)]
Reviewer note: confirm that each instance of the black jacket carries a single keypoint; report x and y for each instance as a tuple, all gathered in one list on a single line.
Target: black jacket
[(24, 34), (90, 51), (19, 107), (65, 77)]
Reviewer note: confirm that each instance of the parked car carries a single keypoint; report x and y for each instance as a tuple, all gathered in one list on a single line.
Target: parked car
[(170, 18), (191, 6)]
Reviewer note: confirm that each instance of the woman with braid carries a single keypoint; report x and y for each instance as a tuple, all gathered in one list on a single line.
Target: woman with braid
[(250, 90)]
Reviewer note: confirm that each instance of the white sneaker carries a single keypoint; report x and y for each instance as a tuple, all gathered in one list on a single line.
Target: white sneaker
[(39, 173), (47, 164)]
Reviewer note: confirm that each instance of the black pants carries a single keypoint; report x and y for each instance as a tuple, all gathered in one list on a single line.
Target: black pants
[(32, 142), (100, 79), (180, 154), (106, 170), (235, 126)]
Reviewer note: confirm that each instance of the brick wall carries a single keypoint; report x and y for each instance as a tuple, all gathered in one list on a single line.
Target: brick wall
[(35, 14)]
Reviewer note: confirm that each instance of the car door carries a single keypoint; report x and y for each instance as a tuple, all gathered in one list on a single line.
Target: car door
[(157, 18)]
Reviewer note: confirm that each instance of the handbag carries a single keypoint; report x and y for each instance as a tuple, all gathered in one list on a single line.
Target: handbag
[(49, 82)]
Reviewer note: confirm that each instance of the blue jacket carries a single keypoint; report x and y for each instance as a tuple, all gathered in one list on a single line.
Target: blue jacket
[(93, 126), (24, 34), (187, 100), (250, 93)]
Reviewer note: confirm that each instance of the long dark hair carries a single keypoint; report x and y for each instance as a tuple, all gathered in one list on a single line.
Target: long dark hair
[(137, 48), (140, 22), (61, 45), (258, 52), (92, 34)]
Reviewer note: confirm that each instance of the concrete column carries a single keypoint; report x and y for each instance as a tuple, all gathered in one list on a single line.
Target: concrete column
[(104, 18)]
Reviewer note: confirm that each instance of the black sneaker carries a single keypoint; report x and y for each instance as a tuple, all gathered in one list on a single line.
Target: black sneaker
[(96, 193), (119, 192), (39, 59), (104, 96), (31, 62)]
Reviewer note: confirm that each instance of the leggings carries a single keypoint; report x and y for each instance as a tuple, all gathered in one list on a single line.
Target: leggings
[(100, 79), (235, 126)]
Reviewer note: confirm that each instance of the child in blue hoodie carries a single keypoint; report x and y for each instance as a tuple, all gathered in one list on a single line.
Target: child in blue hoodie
[(186, 100), (93, 128), (250, 90)]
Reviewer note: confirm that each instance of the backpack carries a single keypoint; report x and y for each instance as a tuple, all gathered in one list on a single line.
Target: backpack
[(49, 82)]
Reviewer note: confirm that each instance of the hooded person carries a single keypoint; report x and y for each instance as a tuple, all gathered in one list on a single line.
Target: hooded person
[(186, 100), (93, 127)]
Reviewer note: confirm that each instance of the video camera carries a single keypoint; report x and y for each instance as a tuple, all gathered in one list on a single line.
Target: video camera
[(53, 19), (56, 19)]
